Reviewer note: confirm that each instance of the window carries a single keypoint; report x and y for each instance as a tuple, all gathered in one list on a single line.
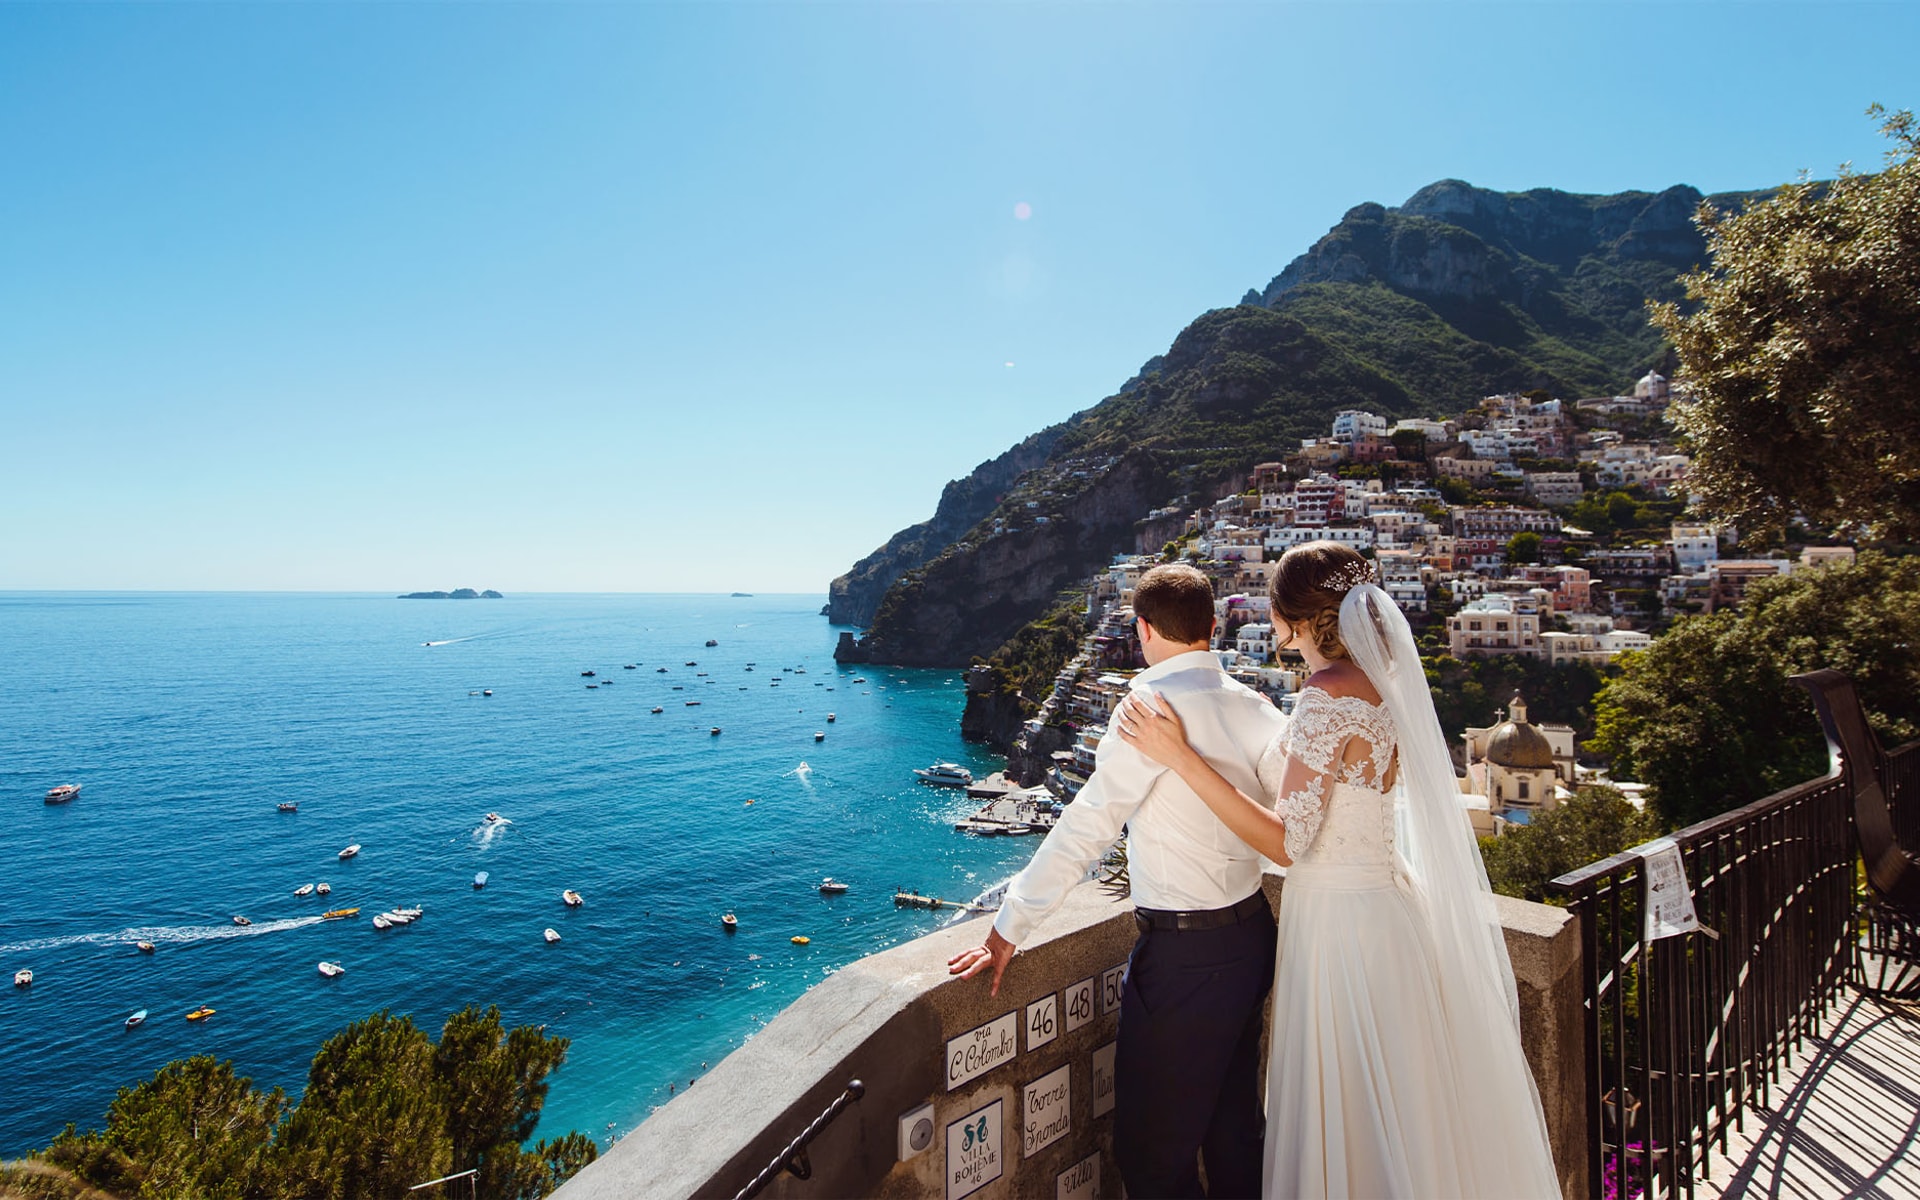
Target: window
[(1523, 789)]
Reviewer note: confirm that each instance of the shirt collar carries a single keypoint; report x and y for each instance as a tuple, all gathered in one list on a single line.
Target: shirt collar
[(1192, 660)]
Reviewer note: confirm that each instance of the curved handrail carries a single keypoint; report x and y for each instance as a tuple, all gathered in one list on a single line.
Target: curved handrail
[(793, 1157)]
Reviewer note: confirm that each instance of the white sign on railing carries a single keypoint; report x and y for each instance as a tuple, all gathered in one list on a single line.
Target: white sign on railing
[(980, 1050), (1112, 983), (1046, 1112), (1669, 899), (973, 1151), (1103, 1078), (1081, 1181), (1079, 1004), (1043, 1021)]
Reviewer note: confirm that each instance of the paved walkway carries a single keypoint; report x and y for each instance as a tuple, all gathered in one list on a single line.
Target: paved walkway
[(1844, 1122)]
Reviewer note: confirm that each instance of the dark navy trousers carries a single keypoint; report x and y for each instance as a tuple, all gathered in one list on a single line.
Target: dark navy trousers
[(1187, 1069)]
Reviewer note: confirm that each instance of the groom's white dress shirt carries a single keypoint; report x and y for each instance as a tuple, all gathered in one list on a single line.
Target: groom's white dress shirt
[(1179, 856)]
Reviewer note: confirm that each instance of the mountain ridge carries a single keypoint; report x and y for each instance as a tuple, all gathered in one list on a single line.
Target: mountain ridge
[(1459, 292)]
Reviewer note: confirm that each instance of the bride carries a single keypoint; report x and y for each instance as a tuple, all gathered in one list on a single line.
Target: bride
[(1395, 1067)]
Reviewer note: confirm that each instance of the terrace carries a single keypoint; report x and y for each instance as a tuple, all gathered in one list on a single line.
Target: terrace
[(1769, 1053)]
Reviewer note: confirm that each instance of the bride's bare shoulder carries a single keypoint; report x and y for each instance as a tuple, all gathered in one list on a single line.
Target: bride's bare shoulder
[(1344, 679)]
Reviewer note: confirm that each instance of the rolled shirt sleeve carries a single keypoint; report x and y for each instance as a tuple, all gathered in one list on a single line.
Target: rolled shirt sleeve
[(1121, 779)]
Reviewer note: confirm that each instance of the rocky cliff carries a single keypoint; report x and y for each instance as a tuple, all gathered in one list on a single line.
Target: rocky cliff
[(853, 598)]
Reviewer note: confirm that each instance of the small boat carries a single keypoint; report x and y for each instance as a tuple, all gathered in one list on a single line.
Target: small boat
[(305, 889), (831, 718), (63, 793), (658, 709), (493, 818), (144, 947), (22, 978), (859, 678), (729, 921), (402, 916), (323, 887), (332, 970), (593, 687), (287, 806), (380, 921), (714, 732), (350, 851), (631, 667), (587, 675), (832, 887), (661, 670), (819, 735), (480, 880), (693, 704), (711, 642), (200, 1014), (137, 1018), (945, 774), (486, 691), (241, 921), (801, 940), (338, 914), (571, 898), (551, 936), (692, 663)]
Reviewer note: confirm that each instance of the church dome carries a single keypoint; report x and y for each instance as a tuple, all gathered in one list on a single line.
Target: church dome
[(1518, 746)]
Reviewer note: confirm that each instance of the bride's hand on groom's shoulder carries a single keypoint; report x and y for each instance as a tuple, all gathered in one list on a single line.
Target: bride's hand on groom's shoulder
[(1148, 724), (995, 952)]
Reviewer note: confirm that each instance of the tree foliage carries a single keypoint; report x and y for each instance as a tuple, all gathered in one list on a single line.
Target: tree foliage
[(1596, 823), (385, 1108), (1707, 717), (1803, 352)]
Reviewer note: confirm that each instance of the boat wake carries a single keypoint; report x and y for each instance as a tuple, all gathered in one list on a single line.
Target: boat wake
[(803, 773), (489, 830), (160, 935)]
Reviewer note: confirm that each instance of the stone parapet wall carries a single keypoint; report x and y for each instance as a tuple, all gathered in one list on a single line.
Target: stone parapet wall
[(915, 1037)]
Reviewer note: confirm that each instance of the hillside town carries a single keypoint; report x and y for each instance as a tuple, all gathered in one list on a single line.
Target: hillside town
[(1528, 526)]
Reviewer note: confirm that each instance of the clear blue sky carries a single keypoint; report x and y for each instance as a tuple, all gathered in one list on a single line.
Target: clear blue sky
[(715, 296)]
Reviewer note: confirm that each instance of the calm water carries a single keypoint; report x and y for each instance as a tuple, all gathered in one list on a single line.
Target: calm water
[(187, 717)]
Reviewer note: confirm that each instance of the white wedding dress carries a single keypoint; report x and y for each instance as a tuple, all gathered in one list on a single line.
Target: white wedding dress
[(1378, 1084)]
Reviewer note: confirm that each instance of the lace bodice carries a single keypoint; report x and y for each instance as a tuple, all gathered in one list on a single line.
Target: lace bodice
[(1330, 769)]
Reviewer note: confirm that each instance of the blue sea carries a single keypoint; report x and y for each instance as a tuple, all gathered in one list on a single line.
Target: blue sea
[(187, 717)]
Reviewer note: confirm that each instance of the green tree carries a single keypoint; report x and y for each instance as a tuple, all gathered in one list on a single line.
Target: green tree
[(1524, 547), (373, 1120), (1596, 823), (1800, 347), (194, 1129), (1706, 716), (495, 1082)]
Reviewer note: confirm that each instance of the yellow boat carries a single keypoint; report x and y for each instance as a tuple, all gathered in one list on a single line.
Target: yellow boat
[(338, 914), (200, 1014), (801, 941)]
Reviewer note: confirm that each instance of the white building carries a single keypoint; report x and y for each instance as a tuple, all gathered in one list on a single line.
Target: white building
[(1353, 424), (1495, 624), (1255, 641)]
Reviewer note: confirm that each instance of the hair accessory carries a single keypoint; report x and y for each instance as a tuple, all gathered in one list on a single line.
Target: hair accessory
[(1348, 577)]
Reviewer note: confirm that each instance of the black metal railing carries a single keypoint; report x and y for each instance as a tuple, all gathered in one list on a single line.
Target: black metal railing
[(793, 1156), (1682, 1033)]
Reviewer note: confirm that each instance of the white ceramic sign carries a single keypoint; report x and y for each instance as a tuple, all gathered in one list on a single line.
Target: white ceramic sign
[(1103, 1079), (1079, 1004), (1046, 1111), (1081, 1181), (978, 1051), (974, 1159), (1043, 1021)]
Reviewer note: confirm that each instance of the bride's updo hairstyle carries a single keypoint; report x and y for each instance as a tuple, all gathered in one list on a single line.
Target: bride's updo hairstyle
[(1308, 586)]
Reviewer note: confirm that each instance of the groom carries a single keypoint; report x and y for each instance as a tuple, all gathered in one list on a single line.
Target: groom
[(1187, 1066)]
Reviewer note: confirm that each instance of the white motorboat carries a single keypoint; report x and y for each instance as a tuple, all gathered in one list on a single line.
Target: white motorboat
[(493, 818), (571, 898), (380, 921), (819, 735), (402, 916), (137, 1018), (551, 936), (63, 793), (305, 889), (480, 880), (332, 970), (350, 851), (945, 774), (323, 887), (832, 887), (22, 977)]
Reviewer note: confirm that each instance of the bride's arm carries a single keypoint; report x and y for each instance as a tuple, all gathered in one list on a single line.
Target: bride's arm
[(1156, 731)]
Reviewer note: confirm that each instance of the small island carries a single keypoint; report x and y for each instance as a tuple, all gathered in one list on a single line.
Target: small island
[(456, 594)]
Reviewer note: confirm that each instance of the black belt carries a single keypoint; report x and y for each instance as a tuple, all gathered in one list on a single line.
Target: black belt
[(1149, 919)]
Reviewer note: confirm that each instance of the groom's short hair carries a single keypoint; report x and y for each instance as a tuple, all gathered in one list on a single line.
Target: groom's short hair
[(1177, 600)]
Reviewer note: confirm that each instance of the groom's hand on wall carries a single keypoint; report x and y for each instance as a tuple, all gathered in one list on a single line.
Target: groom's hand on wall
[(997, 952)]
